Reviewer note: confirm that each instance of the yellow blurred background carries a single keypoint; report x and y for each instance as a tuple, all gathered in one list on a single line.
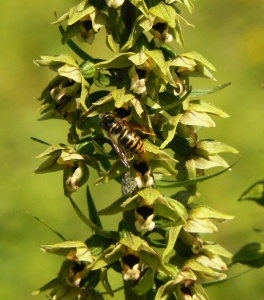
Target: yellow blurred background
[(230, 34)]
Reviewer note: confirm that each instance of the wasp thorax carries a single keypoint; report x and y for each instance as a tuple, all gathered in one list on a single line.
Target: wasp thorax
[(123, 137), (109, 124)]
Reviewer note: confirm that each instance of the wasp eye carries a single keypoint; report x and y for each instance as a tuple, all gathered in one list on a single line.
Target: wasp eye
[(109, 122)]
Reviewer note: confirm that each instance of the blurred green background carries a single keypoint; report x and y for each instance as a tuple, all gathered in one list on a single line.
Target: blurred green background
[(230, 34)]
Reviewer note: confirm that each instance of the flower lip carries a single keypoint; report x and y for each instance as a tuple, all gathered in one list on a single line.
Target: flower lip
[(130, 260), (122, 113), (142, 167), (145, 211)]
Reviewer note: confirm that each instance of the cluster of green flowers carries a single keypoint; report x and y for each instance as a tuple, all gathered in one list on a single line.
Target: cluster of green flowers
[(145, 92)]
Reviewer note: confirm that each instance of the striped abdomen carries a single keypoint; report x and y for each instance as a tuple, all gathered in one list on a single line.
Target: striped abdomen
[(131, 141)]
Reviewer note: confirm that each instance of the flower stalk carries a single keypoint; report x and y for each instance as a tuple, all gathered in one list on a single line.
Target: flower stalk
[(135, 118)]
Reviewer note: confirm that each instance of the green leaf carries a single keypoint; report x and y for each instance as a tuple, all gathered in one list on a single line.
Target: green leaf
[(48, 226), (164, 156), (175, 102), (133, 39), (80, 11), (216, 250), (169, 129), (205, 273), (251, 254), (53, 149), (116, 169), (117, 206), (116, 26), (149, 195), (39, 141), (202, 211), (150, 147), (200, 292), (120, 60), (165, 13), (164, 290), (153, 260), (130, 203), (110, 43), (64, 64), (49, 165), (154, 61), (107, 257), (97, 244), (189, 4), (195, 93), (69, 155), (105, 282), (101, 106), (141, 5), (196, 119), (174, 212), (209, 161), (90, 224), (178, 36), (194, 63), (146, 283), (103, 79), (202, 106), (212, 147), (180, 18), (132, 241), (61, 19), (198, 57), (76, 49), (174, 184), (216, 282), (64, 247), (254, 193), (162, 167), (121, 97), (162, 69), (54, 62), (71, 72), (93, 215), (54, 283), (177, 207), (200, 226), (172, 235)]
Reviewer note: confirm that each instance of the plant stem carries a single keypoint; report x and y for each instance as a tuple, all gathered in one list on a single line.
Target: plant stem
[(128, 180), (129, 295), (128, 187)]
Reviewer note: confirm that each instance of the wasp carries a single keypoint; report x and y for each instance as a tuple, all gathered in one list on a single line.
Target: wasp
[(124, 132)]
